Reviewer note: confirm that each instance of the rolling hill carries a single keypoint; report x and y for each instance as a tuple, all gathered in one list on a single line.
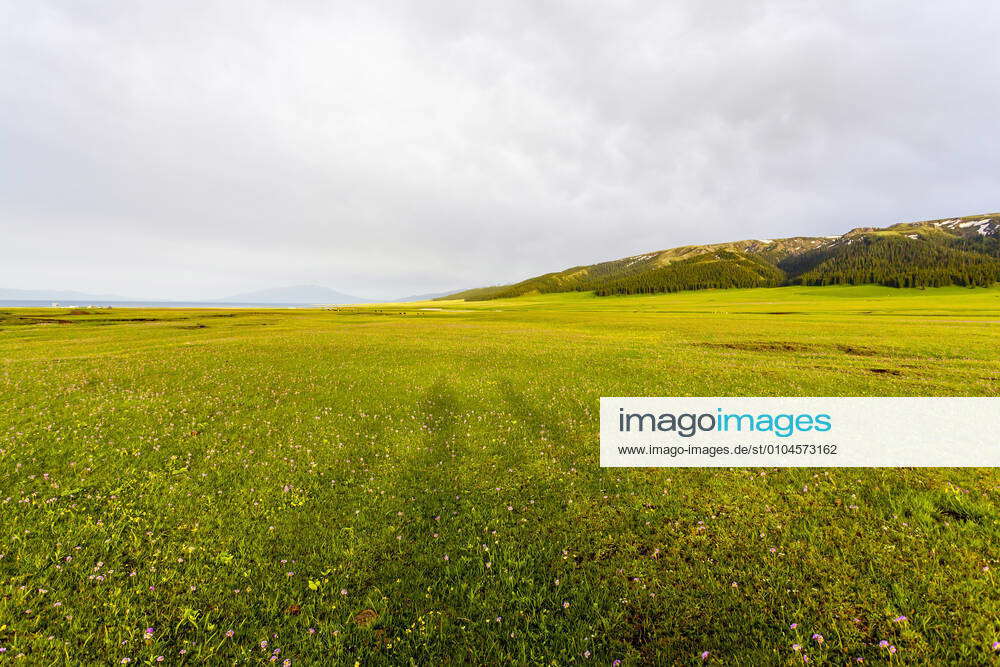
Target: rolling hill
[(932, 253)]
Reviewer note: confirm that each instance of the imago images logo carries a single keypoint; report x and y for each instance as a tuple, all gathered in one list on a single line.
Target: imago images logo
[(797, 431), (689, 424)]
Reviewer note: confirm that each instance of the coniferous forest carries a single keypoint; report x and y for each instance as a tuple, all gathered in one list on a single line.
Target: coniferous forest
[(718, 270), (901, 262), (960, 251)]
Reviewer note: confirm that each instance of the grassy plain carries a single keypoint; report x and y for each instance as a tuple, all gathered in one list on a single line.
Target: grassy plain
[(393, 484)]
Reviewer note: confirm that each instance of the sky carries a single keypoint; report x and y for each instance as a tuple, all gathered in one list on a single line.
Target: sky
[(195, 149)]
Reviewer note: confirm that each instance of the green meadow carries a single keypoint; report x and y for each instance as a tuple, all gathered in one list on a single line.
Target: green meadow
[(419, 484)]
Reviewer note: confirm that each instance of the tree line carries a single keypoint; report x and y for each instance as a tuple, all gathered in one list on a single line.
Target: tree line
[(893, 261), (718, 270)]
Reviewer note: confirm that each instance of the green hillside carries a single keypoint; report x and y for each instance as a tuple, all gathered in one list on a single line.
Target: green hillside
[(933, 253), (721, 269), (897, 261)]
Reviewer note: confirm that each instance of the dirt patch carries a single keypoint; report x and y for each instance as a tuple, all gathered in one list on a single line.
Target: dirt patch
[(885, 371), (366, 618), (34, 320), (26, 321), (243, 313), (764, 346), (193, 326), (957, 509), (858, 350), (122, 320), (788, 346)]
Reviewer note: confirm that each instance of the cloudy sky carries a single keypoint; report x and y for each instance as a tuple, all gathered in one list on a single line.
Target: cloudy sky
[(193, 149)]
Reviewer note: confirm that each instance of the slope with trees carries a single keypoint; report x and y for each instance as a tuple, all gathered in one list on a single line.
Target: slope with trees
[(933, 253)]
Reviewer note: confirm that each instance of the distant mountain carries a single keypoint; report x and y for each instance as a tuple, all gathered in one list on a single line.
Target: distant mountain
[(422, 297), (297, 294), (55, 295), (932, 253)]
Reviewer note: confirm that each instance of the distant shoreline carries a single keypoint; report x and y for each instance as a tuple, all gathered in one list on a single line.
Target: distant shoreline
[(46, 303)]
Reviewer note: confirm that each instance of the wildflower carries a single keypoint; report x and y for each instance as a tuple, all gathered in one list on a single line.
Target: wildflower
[(229, 633), (996, 646), (586, 654), (883, 643), (900, 619), (793, 626), (125, 661), (892, 649), (343, 591), (565, 605), (818, 638), (704, 655), (160, 658), (796, 647)]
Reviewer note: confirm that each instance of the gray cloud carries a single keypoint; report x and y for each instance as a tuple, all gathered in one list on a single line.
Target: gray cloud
[(193, 149)]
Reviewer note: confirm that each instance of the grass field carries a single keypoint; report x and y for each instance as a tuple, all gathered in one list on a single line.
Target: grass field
[(393, 484)]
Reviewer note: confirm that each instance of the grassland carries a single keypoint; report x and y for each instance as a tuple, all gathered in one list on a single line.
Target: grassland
[(392, 484)]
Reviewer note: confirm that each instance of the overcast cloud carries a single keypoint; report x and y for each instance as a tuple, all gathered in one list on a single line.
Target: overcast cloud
[(182, 149)]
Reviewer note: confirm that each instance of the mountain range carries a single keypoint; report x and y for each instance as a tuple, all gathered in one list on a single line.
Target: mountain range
[(314, 294), (930, 253), (297, 294)]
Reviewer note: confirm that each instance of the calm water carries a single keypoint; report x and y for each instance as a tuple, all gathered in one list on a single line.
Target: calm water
[(145, 304)]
